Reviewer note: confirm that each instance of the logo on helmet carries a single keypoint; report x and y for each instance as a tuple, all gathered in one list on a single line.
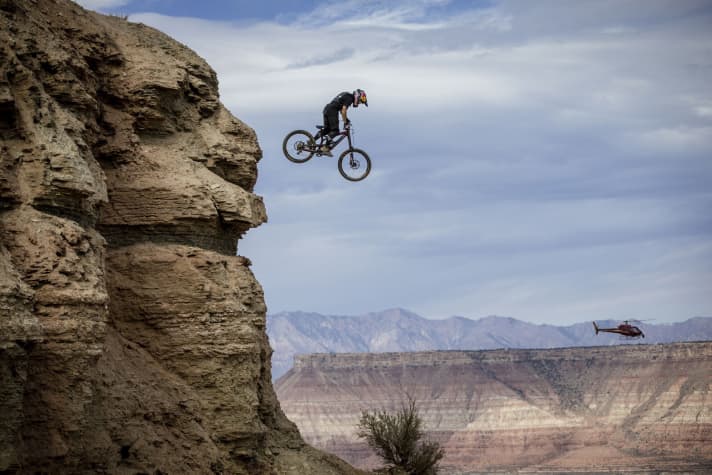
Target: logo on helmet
[(360, 97)]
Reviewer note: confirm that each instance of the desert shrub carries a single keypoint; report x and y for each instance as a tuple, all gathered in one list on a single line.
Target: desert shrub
[(396, 438)]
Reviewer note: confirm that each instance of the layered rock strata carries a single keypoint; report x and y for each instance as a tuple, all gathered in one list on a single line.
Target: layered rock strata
[(632, 409), (132, 337)]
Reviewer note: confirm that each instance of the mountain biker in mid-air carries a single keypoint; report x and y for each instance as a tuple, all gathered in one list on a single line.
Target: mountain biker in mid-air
[(331, 115), (300, 145)]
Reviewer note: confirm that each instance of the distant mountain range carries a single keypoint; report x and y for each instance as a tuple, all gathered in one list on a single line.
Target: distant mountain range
[(398, 330)]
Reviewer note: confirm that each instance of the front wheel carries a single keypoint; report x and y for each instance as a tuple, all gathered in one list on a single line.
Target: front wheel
[(299, 146), (354, 164)]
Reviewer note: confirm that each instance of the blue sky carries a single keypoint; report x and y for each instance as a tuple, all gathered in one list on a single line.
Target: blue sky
[(549, 161)]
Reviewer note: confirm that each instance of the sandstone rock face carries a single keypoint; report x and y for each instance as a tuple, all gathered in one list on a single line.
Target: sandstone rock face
[(633, 408), (132, 338)]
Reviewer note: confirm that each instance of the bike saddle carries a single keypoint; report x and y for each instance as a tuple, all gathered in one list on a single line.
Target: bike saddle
[(319, 126)]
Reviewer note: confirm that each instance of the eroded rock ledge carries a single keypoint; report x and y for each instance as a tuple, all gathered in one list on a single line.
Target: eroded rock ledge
[(131, 336)]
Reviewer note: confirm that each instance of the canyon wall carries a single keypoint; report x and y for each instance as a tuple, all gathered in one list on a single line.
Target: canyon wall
[(632, 408), (132, 337)]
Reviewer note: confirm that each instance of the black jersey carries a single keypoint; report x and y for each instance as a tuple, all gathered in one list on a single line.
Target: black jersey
[(343, 99)]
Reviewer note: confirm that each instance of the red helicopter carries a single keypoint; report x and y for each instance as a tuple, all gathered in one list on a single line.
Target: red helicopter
[(625, 329)]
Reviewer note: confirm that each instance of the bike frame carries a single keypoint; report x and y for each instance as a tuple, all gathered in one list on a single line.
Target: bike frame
[(345, 134)]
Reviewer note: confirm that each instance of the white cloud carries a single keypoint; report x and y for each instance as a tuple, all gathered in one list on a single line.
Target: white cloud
[(704, 110), (682, 138), (102, 5), (369, 12)]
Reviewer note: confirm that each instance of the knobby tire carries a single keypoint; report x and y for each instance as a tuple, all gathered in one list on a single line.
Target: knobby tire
[(290, 148), (359, 173)]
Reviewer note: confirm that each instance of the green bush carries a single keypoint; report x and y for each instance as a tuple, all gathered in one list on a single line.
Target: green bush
[(396, 438)]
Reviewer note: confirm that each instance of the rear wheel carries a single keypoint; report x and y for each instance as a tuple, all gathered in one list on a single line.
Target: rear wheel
[(299, 146), (354, 164)]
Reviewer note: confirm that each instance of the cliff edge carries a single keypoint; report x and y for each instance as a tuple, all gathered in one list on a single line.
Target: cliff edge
[(132, 338)]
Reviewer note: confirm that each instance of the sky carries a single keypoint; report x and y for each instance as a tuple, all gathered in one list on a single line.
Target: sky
[(549, 161)]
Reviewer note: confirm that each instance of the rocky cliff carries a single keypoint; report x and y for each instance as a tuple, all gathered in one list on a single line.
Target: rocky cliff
[(132, 338), (633, 408)]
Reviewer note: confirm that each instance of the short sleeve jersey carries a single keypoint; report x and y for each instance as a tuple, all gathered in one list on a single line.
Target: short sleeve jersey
[(343, 99)]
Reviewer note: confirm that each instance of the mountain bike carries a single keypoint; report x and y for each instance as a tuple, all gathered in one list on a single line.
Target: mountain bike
[(354, 164)]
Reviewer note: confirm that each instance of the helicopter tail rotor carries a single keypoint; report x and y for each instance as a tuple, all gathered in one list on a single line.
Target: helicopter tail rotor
[(595, 327)]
